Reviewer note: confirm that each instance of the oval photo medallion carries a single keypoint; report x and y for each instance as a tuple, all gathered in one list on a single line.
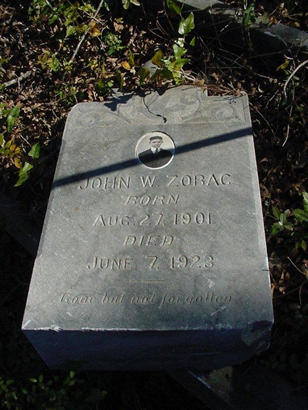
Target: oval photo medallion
[(155, 149)]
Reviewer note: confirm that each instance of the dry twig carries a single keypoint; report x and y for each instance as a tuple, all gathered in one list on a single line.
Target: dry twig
[(300, 271), (86, 32), (292, 75), (18, 79), (264, 119)]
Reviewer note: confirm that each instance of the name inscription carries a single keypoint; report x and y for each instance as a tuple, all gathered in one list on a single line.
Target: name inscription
[(149, 181)]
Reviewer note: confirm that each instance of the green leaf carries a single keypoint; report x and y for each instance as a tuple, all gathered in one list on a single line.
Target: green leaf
[(157, 58), (276, 212), (53, 18), (162, 73), (12, 117), (54, 63), (26, 168), (289, 227), (180, 42), (178, 51), (23, 175), (305, 201), (192, 41), (249, 15), (1, 140), (276, 228), (301, 215), (180, 62), (8, 144), (70, 30), (173, 6), (35, 151), (143, 73), (187, 25), (304, 245), (283, 216), (127, 3), (21, 179), (131, 58), (120, 78)]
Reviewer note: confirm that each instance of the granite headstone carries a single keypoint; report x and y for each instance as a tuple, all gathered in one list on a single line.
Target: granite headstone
[(153, 253)]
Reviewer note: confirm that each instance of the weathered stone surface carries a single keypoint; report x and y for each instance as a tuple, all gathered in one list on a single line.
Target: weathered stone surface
[(270, 36), (243, 387), (152, 268)]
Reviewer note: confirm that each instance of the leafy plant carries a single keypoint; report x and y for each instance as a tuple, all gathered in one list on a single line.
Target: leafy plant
[(56, 393), (8, 147), (282, 221), (67, 19), (35, 151), (104, 86), (10, 150), (171, 67), (302, 214), (12, 116), (249, 15), (68, 94), (49, 60), (187, 25), (68, 14), (113, 43), (23, 174), (296, 224), (128, 3), (143, 74)]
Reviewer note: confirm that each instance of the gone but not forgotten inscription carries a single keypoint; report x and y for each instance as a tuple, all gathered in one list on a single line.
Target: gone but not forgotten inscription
[(153, 254)]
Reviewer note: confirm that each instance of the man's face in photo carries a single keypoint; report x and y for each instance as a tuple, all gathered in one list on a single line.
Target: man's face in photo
[(156, 142)]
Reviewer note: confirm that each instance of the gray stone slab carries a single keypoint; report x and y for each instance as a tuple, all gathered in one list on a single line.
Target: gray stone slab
[(265, 36), (153, 265), (244, 387)]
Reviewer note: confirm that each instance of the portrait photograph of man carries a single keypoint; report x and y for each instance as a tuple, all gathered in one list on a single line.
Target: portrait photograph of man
[(156, 156)]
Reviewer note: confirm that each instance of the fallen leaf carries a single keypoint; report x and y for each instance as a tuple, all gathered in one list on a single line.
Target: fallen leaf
[(126, 65), (17, 163), (118, 26), (284, 65), (94, 31), (215, 76)]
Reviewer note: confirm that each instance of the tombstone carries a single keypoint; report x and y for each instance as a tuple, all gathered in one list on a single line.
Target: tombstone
[(153, 253)]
